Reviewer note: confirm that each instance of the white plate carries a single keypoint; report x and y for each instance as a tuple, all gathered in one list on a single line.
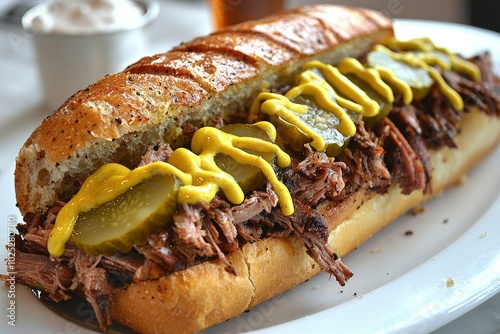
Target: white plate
[(400, 281)]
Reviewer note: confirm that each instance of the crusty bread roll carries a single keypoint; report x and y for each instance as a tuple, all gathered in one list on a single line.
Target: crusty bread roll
[(117, 118)]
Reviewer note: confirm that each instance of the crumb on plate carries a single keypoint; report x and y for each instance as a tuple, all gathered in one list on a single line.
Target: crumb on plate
[(417, 210), (450, 282)]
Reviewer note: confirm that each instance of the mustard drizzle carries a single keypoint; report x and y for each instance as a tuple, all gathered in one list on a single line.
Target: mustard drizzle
[(413, 60), (397, 84), (345, 87), (353, 66), (427, 51)]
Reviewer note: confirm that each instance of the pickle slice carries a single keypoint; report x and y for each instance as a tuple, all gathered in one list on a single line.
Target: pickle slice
[(248, 177), (129, 219), (416, 77), (322, 122), (385, 106)]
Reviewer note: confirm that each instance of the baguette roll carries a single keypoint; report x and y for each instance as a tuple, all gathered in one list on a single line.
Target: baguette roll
[(218, 76)]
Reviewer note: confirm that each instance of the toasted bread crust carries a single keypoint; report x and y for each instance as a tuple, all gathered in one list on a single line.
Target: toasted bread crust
[(112, 119)]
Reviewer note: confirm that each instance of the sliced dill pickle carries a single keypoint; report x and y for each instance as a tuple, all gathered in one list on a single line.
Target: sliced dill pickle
[(248, 177), (435, 57), (416, 77), (385, 106), (322, 122), (129, 219)]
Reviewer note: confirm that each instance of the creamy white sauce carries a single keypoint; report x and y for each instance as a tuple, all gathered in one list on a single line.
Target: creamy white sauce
[(87, 16)]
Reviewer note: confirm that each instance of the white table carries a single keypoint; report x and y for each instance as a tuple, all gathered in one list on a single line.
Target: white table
[(21, 102)]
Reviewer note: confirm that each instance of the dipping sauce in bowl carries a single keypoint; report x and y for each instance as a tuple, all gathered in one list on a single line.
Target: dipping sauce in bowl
[(79, 41), (88, 16)]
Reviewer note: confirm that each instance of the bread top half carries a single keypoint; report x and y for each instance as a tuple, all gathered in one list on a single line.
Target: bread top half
[(119, 116)]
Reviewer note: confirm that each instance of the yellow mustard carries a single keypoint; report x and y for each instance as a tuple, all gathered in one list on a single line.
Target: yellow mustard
[(323, 88), (312, 84), (199, 175), (389, 77), (353, 66), (279, 105), (434, 55), (323, 91), (345, 87), (413, 60)]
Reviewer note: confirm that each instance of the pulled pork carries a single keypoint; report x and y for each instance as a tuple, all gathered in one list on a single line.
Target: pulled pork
[(394, 152)]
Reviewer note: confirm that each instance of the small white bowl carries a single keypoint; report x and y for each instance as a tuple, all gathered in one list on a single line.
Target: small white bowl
[(68, 62)]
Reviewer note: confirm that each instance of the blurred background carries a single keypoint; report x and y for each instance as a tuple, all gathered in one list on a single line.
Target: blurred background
[(480, 13), (179, 21)]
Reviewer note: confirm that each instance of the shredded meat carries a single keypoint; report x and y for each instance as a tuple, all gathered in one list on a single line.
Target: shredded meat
[(405, 118), (259, 201), (312, 229), (219, 212), (159, 257), (403, 162), (122, 267), (438, 120), (365, 161), (94, 284), (189, 235), (159, 152), (37, 271), (485, 95), (315, 178)]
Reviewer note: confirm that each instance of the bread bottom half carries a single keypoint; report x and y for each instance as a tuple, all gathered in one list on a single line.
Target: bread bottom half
[(204, 295)]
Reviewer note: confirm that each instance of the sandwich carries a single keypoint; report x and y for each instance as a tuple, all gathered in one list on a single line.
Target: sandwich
[(201, 182)]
